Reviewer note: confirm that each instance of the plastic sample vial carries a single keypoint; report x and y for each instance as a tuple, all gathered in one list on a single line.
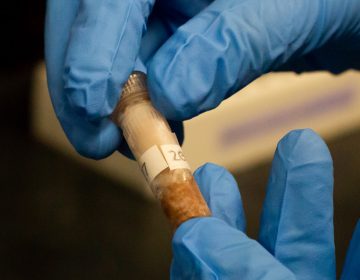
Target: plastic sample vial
[(158, 153)]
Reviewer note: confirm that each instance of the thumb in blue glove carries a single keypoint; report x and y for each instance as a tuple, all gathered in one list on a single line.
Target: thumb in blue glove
[(91, 49), (296, 238), (87, 45)]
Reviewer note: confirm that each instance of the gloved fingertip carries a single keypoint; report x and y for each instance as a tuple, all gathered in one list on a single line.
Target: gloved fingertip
[(303, 146), (92, 100), (208, 176), (101, 53), (164, 99), (221, 193), (177, 90), (96, 145), (297, 216)]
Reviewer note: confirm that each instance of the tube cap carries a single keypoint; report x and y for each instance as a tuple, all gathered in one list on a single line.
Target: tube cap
[(135, 83)]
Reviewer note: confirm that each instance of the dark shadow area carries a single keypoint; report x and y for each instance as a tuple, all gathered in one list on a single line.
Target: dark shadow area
[(60, 220)]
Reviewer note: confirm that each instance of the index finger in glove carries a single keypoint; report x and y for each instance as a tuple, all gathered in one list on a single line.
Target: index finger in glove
[(297, 219), (222, 195), (91, 48), (231, 43)]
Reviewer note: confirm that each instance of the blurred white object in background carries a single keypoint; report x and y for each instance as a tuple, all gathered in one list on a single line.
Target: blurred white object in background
[(241, 133)]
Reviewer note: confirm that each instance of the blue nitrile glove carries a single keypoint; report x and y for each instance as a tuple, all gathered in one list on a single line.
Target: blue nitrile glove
[(296, 239), (92, 46), (232, 42), (91, 49)]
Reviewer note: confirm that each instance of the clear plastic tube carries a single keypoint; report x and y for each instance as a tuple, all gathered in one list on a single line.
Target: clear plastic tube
[(158, 153)]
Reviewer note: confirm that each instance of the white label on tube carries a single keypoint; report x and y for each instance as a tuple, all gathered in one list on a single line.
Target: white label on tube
[(151, 163), (174, 157)]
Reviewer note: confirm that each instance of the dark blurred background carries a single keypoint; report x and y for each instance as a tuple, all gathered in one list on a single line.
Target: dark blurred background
[(59, 220)]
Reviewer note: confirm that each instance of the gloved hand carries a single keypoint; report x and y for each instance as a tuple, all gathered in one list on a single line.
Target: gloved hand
[(91, 47), (197, 53), (232, 42), (296, 238)]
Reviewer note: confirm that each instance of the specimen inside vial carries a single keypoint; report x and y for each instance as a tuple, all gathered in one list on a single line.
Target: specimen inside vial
[(158, 153)]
